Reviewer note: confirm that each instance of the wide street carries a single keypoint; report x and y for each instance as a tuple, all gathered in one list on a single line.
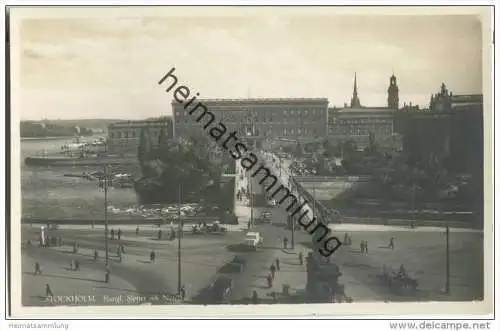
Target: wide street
[(203, 258)]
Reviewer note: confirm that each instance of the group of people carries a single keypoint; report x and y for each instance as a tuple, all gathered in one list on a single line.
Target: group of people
[(241, 194), (363, 245), (48, 289), (119, 233), (48, 241), (273, 268)]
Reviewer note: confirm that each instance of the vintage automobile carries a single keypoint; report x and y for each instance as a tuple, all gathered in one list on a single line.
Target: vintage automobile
[(238, 263), (214, 228), (253, 240)]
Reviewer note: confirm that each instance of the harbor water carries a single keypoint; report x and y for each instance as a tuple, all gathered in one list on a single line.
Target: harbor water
[(47, 193)]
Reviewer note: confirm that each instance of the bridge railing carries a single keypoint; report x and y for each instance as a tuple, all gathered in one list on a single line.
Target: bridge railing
[(288, 181)]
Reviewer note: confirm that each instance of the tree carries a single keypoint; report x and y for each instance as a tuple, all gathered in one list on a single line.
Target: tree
[(144, 149), (298, 150)]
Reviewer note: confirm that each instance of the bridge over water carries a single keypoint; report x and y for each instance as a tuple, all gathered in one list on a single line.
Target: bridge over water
[(304, 187)]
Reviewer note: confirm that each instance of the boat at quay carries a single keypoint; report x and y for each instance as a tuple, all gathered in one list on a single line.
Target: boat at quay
[(68, 161)]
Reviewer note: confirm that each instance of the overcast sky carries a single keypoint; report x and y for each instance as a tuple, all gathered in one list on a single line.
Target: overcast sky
[(109, 68)]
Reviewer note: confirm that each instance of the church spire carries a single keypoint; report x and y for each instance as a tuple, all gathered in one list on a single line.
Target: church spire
[(355, 100)]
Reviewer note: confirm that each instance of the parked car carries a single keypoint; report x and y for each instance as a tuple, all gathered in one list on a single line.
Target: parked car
[(216, 228), (238, 263), (253, 240)]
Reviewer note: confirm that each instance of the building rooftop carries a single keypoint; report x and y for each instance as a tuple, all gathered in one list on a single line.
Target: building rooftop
[(366, 110), (145, 121), (467, 98), (260, 101)]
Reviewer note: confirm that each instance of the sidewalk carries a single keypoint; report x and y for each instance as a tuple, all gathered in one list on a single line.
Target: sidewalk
[(199, 264), (241, 208), (86, 285), (291, 273), (148, 228), (350, 227)]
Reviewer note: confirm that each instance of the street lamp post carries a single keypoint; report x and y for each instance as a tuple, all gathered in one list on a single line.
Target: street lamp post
[(250, 192), (180, 233), (447, 285), (106, 214)]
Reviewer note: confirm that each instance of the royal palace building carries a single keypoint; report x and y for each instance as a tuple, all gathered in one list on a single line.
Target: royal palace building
[(124, 136), (258, 118)]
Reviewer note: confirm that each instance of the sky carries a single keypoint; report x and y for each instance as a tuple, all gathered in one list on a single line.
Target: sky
[(109, 68)]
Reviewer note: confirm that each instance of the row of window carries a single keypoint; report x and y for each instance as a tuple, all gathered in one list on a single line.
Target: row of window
[(297, 121), (363, 126), (357, 131), (262, 114), (131, 134), (275, 133), (360, 121)]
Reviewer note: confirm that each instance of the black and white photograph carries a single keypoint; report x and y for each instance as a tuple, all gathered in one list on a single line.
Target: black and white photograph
[(195, 156)]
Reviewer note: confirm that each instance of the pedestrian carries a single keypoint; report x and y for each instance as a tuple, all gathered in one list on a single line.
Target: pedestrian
[(272, 268), (48, 291), (137, 230), (160, 234), (96, 255), (269, 281), (255, 298), (301, 258), (77, 265), (107, 275), (152, 256), (366, 246), (285, 242), (119, 253), (38, 271), (72, 265), (362, 246), (112, 234), (277, 264), (183, 292), (119, 234), (391, 243)]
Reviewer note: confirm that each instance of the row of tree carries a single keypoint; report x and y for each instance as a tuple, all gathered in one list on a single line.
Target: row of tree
[(191, 168)]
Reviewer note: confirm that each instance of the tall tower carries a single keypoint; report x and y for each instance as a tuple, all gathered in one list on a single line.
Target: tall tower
[(393, 94), (355, 100)]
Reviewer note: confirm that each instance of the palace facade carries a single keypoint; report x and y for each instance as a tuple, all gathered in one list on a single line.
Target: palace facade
[(124, 136), (258, 118)]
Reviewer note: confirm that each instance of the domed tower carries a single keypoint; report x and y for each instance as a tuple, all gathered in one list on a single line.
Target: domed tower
[(393, 93)]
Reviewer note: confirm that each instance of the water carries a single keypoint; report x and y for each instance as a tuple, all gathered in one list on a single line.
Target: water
[(47, 193)]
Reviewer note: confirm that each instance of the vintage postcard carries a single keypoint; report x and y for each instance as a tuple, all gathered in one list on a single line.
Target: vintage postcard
[(251, 161)]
